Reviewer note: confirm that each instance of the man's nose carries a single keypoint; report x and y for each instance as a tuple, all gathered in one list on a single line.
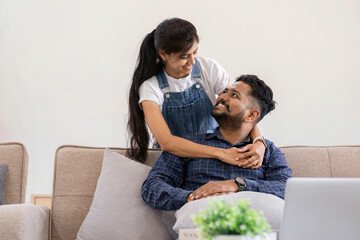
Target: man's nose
[(224, 97)]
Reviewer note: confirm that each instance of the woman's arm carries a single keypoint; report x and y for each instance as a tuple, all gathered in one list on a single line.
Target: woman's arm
[(180, 146), (253, 154)]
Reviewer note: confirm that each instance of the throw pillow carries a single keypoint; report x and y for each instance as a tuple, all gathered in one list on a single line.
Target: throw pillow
[(3, 171), (272, 207), (118, 210)]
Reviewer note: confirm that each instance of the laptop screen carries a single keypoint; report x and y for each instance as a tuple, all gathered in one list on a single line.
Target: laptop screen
[(321, 208)]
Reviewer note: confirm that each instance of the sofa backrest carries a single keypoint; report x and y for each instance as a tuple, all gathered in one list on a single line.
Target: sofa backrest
[(15, 156), (335, 161), (76, 171)]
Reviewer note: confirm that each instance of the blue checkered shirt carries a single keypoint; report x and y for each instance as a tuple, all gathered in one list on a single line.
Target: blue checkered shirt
[(173, 178)]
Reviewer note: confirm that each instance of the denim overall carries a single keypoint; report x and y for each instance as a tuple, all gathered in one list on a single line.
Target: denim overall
[(187, 112)]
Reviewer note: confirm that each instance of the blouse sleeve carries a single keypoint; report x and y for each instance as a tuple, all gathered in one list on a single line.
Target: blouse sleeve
[(150, 91), (222, 78), (214, 74)]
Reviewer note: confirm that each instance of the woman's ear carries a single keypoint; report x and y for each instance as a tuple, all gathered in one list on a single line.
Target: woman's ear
[(252, 115), (163, 55)]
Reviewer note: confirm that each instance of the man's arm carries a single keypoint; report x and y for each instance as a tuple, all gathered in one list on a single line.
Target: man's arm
[(161, 188), (276, 173)]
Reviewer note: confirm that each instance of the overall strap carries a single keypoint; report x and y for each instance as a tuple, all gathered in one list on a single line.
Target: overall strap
[(195, 73), (162, 80)]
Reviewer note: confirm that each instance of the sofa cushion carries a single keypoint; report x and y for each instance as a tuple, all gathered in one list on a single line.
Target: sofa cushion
[(272, 207), (15, 156), (118, 210), (24, 221), (3, 171)]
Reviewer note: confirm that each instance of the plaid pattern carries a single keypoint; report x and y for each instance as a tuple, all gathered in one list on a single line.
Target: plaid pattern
[(172, 178)]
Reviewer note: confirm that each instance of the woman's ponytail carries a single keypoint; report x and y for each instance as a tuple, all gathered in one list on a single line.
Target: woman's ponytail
[(148, 65), (172, 36)]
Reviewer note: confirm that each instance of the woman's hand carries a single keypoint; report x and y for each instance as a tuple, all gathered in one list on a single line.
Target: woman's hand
[(231, 156), (252, 155)]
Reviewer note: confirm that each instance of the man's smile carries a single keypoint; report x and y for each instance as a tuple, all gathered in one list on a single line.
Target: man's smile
[(222, 104)]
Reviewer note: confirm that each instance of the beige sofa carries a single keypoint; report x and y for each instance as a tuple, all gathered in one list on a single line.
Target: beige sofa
[(76, 172), (19, 220), (77, 169)]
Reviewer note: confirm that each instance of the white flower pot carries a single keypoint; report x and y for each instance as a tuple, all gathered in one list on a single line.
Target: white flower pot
[(242, 237)]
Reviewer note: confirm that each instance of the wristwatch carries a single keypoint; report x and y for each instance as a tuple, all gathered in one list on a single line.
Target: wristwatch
[(241, 183), (262, 139)]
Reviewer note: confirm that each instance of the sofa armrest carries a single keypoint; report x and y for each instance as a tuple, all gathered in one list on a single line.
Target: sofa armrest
[(24, 221)]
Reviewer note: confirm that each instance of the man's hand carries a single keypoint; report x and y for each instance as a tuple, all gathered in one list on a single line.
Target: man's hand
[(212, 195), (213, 189), (253, 155)]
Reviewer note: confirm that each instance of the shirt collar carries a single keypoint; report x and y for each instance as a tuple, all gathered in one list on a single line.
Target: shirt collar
[(216, 134)]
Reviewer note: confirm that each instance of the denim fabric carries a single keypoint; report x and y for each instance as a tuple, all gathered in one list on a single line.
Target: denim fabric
[(187, 112)]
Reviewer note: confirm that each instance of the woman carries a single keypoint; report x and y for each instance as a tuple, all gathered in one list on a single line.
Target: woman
[(173, 93)]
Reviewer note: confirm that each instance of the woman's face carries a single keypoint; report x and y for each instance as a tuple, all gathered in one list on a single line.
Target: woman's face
[(179, 65)]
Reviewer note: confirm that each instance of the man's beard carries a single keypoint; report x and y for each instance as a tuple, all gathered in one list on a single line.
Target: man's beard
[(226, 121)]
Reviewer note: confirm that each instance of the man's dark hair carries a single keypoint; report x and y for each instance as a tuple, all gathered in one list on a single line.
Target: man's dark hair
[(261, 92)]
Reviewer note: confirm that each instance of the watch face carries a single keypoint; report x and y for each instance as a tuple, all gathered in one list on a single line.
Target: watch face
[(240, 180), (241, 183)]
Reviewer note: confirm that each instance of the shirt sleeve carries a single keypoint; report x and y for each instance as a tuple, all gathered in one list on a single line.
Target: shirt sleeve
[(222, 78), (150, 91), (162, 189), (276, 173), (215, 76)]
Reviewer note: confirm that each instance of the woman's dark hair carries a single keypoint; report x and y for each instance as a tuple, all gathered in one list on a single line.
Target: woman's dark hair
[(172, 36)]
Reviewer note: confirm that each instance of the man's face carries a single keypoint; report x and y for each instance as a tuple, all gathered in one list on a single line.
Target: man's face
[(232, 105)]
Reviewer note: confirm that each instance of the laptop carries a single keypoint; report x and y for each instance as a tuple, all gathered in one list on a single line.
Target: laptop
[(321, 209)]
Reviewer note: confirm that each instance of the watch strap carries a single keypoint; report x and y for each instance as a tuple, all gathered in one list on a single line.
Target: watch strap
[(262, 139)]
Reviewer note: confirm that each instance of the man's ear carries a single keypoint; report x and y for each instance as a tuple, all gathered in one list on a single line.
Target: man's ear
[(163, 55), (252, 115)]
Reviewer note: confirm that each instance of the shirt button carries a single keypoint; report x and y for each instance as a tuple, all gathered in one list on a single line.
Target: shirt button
[(167, 95), (197, 86)]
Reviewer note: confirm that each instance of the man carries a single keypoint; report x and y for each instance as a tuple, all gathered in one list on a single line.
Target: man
[(174, 181)]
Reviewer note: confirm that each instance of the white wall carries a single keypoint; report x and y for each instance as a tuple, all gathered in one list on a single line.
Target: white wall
[(65, 68)]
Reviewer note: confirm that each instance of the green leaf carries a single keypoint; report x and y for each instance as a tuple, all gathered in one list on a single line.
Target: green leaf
[(220, 218)]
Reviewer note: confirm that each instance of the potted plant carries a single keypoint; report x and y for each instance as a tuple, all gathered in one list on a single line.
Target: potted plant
[(222, 221)]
